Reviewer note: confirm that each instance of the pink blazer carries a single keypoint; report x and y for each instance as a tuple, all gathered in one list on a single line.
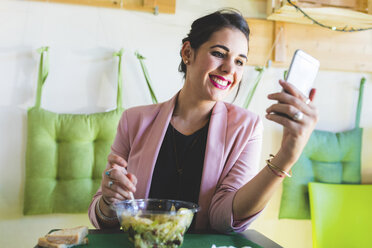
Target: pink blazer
[(231, 157)]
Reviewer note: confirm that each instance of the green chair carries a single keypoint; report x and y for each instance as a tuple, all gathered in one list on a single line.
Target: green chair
[(341, 215)]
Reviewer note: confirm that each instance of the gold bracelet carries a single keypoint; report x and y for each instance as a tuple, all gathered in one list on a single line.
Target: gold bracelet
[(274, 167), (101, 215), (274, 171)]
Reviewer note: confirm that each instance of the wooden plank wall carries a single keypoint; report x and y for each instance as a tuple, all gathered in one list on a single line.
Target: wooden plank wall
[(339, 51), (164, 6)]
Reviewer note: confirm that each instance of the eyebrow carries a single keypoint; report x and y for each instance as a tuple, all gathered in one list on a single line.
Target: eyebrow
[(228, 50)]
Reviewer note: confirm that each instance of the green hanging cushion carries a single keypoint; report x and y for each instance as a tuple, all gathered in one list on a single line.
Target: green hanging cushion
[(328, 157), (66, 153)]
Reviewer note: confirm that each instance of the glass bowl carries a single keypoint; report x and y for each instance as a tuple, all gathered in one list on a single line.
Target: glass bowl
[(155, 222)]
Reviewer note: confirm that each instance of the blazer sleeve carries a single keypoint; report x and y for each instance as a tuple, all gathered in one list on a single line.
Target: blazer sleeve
[(121, 147), (243, 170)]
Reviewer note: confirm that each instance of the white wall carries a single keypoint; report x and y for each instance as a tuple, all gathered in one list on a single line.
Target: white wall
[(82, 79)]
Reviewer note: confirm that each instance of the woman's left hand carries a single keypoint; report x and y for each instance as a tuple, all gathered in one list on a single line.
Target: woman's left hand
[(298, 116)]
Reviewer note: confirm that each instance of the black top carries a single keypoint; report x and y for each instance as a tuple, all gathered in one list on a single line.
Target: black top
[(179, 166)]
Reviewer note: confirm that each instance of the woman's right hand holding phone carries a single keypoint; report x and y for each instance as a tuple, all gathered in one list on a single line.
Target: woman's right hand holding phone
[(296, 129), (117, 184)]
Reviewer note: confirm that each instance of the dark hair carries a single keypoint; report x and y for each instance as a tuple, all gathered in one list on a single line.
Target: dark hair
[(203, 28)]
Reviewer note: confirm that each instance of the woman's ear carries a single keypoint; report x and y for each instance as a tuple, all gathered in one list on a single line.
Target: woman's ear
[(186, 52)]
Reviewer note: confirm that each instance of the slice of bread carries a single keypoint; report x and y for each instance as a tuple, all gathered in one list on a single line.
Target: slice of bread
[(68, 236), (43, 242)]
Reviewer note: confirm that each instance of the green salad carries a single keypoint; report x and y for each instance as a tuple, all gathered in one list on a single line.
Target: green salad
[(157, 230)]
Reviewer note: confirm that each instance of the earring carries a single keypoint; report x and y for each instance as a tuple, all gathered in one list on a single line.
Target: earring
[(186, 62)]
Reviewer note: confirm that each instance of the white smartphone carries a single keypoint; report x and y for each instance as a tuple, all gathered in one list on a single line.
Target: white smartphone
[(302, 71)]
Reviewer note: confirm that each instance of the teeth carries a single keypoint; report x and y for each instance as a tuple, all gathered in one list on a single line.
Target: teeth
[(219, 81)]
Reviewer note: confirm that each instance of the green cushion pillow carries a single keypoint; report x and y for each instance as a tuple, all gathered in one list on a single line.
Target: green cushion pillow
[(66, 153), (328, 158)]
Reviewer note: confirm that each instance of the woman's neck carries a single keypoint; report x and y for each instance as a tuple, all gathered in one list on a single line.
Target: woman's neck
[(190, 113)]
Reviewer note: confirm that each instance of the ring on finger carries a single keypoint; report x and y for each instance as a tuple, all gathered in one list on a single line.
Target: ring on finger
[(108, 173), (298, 116), (110, 183)]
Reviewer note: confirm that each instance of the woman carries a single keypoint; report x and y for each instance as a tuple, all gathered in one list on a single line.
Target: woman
[(196, 147)]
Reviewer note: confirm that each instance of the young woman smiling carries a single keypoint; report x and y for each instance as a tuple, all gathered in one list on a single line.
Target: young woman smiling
[(196, 147)]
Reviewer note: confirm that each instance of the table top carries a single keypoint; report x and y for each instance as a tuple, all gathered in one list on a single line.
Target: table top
[(117, 238)]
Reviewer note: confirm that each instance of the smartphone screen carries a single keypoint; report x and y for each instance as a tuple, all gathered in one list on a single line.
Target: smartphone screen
[(302, 71)]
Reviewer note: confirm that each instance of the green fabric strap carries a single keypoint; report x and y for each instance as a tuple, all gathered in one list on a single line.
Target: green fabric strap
[(119, 102), (147, 77), (43, 73), (360, 100), (44, 70), (251, 92)]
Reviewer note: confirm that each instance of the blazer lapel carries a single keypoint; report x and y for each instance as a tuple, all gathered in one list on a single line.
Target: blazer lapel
[(153, 141), (213, 161)]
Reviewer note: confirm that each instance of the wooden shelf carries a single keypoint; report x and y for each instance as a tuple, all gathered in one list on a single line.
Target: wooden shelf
[(339, 14), (336, 50), (153, 6)]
